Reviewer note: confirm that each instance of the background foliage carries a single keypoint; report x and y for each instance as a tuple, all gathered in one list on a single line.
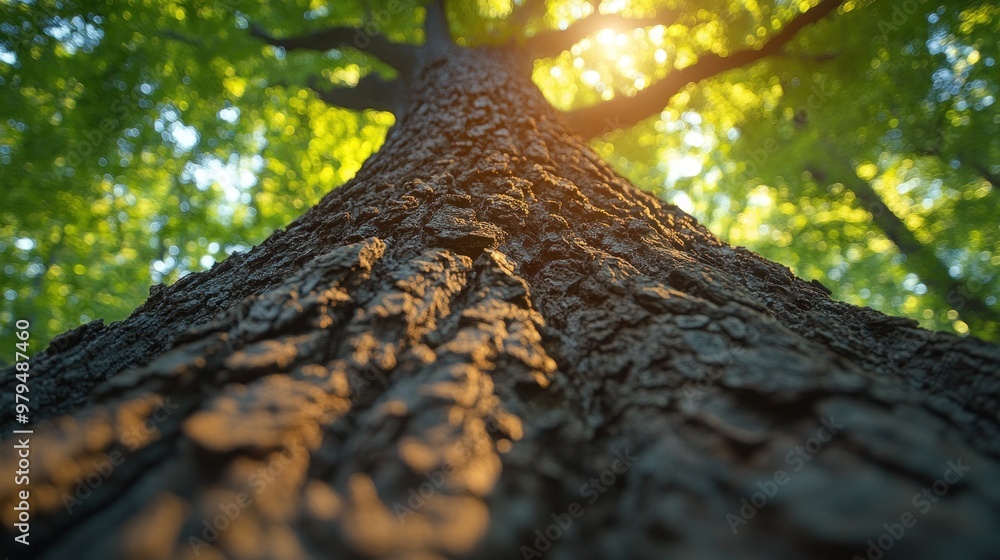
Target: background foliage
[(141, 140)]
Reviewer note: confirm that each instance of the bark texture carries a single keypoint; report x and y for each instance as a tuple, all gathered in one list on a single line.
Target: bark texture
[(489, 332)]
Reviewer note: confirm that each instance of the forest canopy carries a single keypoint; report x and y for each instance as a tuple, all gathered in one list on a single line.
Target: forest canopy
[(141, 141)]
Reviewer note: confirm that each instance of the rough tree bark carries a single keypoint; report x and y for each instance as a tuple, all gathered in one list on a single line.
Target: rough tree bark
[(466, 343)]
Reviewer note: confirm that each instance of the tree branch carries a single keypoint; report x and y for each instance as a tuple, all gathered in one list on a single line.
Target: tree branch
[(551, 43), (977, 166), (371, 92), (807, 57), (399, 56), (920, 258), (436, 30), (626, 112), (986, 174), (182, 38), (529, 10)]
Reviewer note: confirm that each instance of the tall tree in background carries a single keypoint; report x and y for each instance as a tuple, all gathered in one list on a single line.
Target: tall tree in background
[(489, 344)]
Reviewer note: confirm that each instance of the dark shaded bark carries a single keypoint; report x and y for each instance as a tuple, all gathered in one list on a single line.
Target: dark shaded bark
[(489, 318)]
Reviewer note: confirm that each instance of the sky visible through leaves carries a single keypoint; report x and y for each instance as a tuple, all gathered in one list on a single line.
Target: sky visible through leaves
[(144, 140)]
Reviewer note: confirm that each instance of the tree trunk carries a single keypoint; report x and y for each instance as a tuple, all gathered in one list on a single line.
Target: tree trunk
[(489, 345)]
